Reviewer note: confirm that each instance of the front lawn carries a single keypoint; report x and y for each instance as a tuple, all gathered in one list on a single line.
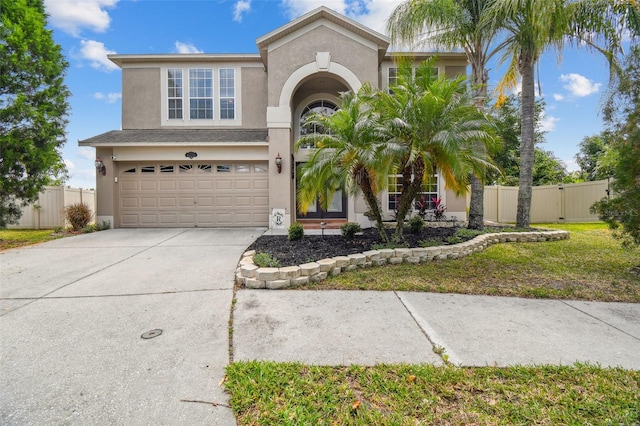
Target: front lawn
[(269, 393), (12, 238), (590, 265)]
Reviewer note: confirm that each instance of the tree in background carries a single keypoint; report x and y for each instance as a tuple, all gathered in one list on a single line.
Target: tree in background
[(453, 24), (622, 210), (547, 168), (531, 27), (591, 157), (33, 106)]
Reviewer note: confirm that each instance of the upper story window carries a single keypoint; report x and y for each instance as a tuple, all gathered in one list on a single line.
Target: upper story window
[(227, 94), (201, 93), (174, 93), (392, 76), (202, 96)]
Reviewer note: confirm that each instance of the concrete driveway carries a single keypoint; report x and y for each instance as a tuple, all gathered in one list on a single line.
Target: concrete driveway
[(72, 313)]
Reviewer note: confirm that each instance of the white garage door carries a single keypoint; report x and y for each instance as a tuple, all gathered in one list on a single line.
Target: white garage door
[(203, 194)]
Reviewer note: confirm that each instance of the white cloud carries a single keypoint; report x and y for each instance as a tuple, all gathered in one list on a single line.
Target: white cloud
[(241, 6), (69, 164), (186, 48), (548, 122), (371, 13), (73, 15), (109, 98), (558, 97), (87, 153), (96, 54), (579, 85)]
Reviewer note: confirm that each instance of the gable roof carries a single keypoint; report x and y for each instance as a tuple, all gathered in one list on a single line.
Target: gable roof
[(323, 12)]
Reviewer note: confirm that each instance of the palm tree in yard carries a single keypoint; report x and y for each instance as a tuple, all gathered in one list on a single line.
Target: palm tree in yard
[(348, 155), (452, 24), (531, 27), (431, 124)]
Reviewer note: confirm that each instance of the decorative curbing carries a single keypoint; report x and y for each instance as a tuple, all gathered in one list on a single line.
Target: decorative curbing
[(252, 276)]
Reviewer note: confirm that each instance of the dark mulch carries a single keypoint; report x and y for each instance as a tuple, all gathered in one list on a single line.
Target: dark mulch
[(315, 247)]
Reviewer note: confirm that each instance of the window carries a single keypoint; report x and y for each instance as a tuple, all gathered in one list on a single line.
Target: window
[(185, 168), (323, 107), (133, 170), (206, 168), (243, 168), (223, 168), (394, 191), (148, 169), (227, 94), (174, 93), (200, 94), (166, 169), (392, 79), (259, 169)]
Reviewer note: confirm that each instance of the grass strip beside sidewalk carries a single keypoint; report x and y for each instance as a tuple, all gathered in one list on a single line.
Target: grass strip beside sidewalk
[(269, 393)]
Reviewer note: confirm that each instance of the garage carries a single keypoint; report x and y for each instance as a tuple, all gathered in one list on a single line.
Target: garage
[(193, 194)]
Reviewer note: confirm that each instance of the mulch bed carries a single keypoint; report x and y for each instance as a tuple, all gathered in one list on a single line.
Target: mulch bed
[(315, 247)]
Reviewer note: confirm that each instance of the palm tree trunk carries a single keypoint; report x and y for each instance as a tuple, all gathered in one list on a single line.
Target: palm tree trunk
[(526, 142), (476, 203), (372, 203)]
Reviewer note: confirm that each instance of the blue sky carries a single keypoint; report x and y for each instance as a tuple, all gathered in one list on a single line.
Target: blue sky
[(88, 30)]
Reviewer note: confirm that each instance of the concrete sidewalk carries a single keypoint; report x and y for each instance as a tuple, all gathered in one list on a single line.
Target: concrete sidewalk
[(365, 327)]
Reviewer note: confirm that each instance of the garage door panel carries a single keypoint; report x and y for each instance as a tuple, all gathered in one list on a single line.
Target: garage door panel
[(168, 185), (128, 185), (243, 184), (148, 202), (168, 202), (224, 184), (202, 195), (129, 202), (148, 185), (260, 184)]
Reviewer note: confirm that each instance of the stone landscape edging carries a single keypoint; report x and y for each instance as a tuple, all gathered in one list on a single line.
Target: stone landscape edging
[(253, 276)]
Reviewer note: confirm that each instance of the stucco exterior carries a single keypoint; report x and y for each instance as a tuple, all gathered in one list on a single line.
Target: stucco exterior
[(175, 139)]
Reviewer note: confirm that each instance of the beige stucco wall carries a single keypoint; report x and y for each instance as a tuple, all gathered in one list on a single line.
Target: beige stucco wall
[(361, 59), (141, 98), (105, 187), (452, 71), (254, 96), (281, 184)]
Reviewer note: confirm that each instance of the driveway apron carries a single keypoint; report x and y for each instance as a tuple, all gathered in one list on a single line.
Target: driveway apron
[(73, 314)]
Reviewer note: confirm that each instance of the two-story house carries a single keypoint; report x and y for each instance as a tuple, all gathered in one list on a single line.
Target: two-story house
[(207, 140)]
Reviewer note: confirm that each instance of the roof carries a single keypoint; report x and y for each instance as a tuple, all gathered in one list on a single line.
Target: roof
[(121, 59), (323, 13), (171, 137)]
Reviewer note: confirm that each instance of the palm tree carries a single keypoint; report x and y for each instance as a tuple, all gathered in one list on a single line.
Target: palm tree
[(347, 156), (452, 24), (530, 28), (431, 124)]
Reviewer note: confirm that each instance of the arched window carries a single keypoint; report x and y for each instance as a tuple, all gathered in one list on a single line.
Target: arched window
[(321, 106)]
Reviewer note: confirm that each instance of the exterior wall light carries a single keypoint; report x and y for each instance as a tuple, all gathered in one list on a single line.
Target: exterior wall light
[(100, 167), (279, 163)]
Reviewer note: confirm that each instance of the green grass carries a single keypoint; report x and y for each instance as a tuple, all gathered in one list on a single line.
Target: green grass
[(12, 238), (269, 393), (591, 265)]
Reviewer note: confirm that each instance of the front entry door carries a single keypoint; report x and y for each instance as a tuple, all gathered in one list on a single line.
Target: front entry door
[(337, 209)]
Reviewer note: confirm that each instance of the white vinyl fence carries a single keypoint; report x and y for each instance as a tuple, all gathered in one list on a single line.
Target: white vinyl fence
[(549, 204), (48, 211)]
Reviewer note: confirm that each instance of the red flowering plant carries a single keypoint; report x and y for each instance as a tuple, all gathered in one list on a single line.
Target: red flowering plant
[(440, 208)]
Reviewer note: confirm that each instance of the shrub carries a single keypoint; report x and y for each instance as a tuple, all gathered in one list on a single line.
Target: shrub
[(103, 226), (431, 242), (454, 239), (416, 224), (390, 245), (350, 229), (78, 214), (468, 233), (296, 231), (265, 260)]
